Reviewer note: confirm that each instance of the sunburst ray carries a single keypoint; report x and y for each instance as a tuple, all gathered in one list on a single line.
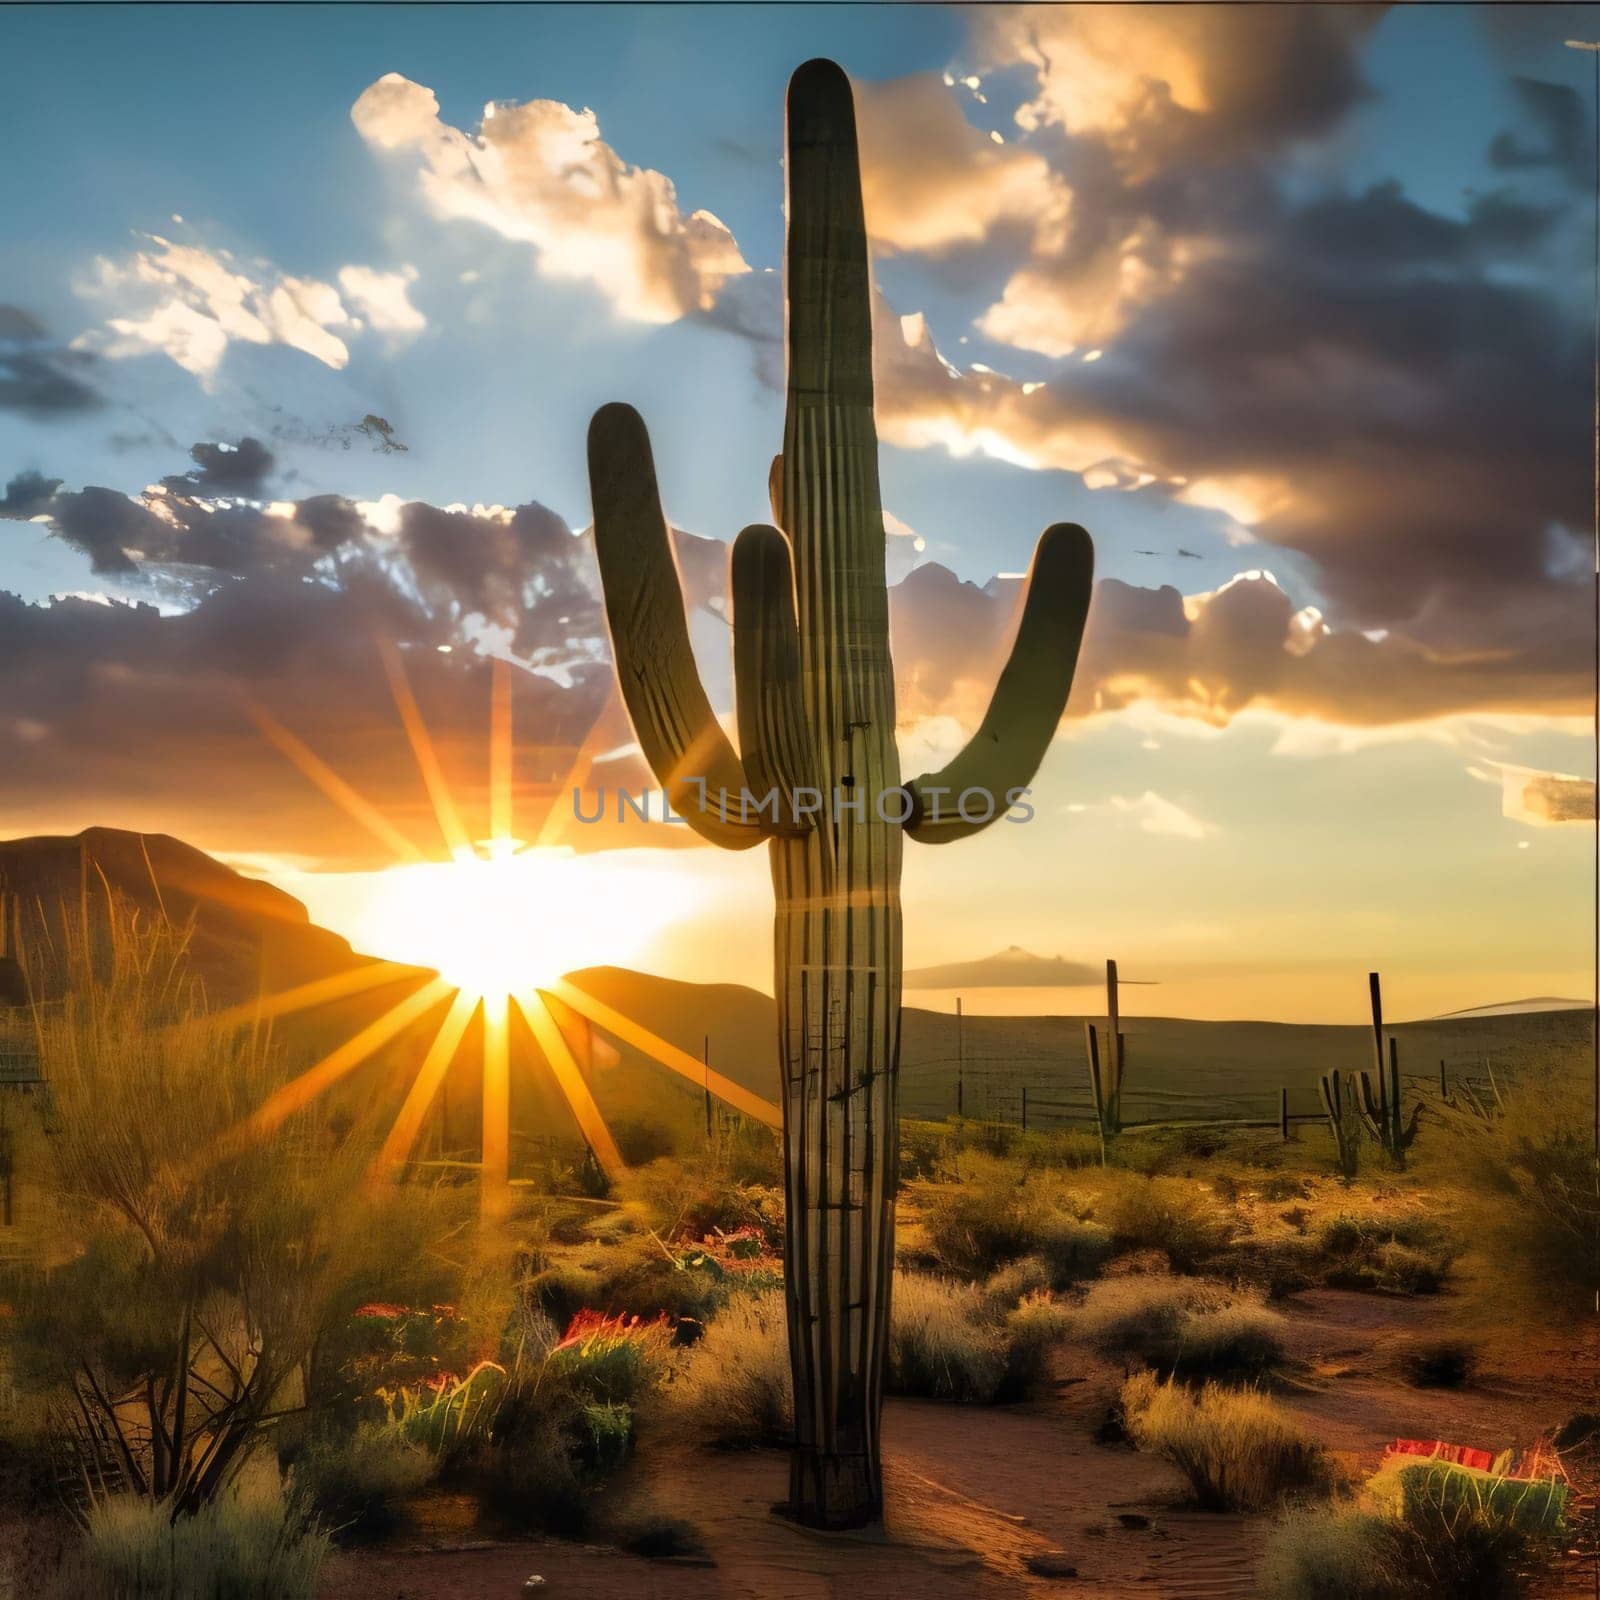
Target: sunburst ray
[(500, 754), (669, 1055), (319, 992), (496, 1102), (338, 1063), (356, 806), (571, 1082), (425, 1086), (456, 837)]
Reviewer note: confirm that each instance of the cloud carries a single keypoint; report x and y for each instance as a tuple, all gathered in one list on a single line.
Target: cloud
[(189, 303), (38, 377), (383, 298), (541, 174), (1155, 815), (1207, 658), (931, 180), (1541, 799), (1198, 83)]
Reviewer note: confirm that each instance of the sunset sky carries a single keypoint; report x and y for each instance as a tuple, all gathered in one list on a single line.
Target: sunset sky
[(306, 311)]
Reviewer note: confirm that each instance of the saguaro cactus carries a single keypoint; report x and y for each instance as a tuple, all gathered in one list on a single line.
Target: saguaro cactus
[(816, 722), (1381, 1109), (1342, 1119)]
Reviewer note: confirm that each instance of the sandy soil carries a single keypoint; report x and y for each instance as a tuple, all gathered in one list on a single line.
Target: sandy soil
[(1008, 1501)]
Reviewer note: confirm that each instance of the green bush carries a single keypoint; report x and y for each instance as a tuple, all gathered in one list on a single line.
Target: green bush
[(357, 1482), (1430, 1529), (1239, 1450), (248, 1544)]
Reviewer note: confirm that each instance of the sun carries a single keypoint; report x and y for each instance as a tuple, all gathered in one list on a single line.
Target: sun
[(493, 927), (505, 919)]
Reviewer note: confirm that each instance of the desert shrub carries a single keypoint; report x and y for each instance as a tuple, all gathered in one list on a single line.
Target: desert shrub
[(1423, 1530), (1277, 1187), (731, 1388), (1396, 1255), (249, 1543), (356, 1482), (1006, 1285), (1173, 1215), (942, 1344), (609, 1360), (533, 1479), (1239, 1449), (1031, 1331), (1332, 1553), (995, 1217), (1524, 1179), (1438, 1363), (680, 1200), (1195, 1330), (953, 1341), (208, 1264), (562, 1288)]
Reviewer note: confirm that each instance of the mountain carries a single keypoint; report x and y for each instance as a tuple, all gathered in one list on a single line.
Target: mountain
[(245, 935), (1520, 1008), (1011, 968), (248, 937)]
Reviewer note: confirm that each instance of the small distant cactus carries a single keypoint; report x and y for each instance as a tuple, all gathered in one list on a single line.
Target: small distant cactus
[(1338, 1100), (1106, 1070), (1381, 1113)]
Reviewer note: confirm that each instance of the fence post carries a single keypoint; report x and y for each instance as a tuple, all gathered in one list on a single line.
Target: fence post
[(1283, 1113), (1444, 1083), (961, 1064), (1375, 988), (1024, 1108), (705, 1057)]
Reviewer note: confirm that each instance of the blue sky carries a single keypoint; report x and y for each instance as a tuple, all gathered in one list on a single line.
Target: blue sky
[(1300, 294)]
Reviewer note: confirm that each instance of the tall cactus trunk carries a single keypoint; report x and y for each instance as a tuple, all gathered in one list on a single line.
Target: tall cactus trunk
[(837, 945), (815, 702)]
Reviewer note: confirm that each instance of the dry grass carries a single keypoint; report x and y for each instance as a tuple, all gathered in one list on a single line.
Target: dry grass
[(1195, 1329), (953, 1341), (732, 1389), (1240, 1450)]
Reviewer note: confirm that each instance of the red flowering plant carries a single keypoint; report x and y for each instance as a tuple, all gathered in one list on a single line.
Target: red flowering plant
[(611, 1359)]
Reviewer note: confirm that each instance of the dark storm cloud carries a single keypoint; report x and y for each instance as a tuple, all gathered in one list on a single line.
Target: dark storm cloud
[(230, 469), (27, 495), (128, 716), (1559, 136), (39, 378)]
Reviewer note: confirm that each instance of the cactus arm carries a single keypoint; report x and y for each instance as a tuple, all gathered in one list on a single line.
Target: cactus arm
[(773, 734), (775, 488), (1029, 697), (677, 730), (1374, 1115)]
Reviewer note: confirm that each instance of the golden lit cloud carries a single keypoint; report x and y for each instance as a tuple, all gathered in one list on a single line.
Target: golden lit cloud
[(541, 174)]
